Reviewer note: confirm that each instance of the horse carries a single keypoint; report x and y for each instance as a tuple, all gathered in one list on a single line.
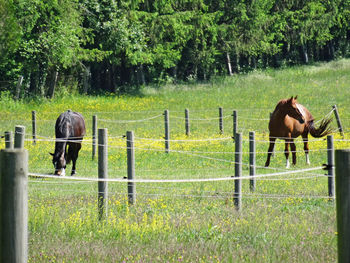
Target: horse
[(69, 131), (288, 121)]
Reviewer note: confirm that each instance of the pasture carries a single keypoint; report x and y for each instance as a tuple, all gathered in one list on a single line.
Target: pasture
[(286, 219)]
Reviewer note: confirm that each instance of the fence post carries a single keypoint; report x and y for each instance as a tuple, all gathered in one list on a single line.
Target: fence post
[(167, 131), (336, 113), (8, 140), (94, 132), (19, 136), (14, 205), (252, 160), (34, 126), (221, 123), (330, 158), (187, 122), (234, 124), (102, 173), (131, 166), (238, 172), (342, 169)]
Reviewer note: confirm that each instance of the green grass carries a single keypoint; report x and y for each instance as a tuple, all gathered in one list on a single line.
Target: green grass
[(286, 220)]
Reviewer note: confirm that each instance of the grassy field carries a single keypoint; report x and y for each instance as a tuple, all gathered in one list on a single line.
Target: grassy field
[(287, 219)]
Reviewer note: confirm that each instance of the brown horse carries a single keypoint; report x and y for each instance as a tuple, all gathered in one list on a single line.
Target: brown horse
[(69, 130), (290, 120)]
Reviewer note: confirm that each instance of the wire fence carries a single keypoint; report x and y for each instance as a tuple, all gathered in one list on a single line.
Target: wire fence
[(212, 157)]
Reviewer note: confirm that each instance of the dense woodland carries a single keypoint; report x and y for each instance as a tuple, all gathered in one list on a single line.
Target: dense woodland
[(113, 46)]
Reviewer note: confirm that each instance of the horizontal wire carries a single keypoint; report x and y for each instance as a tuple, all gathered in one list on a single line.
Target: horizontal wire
[(74, 178), (128, 121)]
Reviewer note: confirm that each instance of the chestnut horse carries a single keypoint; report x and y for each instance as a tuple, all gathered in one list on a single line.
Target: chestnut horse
[(69, 130), (290, 120)]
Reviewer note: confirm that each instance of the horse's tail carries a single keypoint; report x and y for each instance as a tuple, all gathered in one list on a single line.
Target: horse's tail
[(322, 130)]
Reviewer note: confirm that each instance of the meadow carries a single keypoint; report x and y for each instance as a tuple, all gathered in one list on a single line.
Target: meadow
[(286, 219)]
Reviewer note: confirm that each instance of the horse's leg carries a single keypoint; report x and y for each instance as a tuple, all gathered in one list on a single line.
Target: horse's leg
[(306, 148), (77, 147), (293, 150), (286, 153), (68, 154), (270, 151)]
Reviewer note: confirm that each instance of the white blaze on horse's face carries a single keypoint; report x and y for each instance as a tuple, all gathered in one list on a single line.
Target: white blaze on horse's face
[(301, 109), (60, 171), (60, 166), (297, 112)]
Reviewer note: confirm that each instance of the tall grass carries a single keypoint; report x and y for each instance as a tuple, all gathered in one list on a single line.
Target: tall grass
[(288, 219)]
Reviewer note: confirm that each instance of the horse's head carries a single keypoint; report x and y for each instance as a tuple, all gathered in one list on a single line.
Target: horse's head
[(59, 162), (292, 109)]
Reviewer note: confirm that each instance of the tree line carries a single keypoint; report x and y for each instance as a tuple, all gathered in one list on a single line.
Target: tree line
[(117, 45)]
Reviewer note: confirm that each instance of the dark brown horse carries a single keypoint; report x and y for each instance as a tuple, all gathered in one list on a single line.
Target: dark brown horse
[(290, 120), (69, 130)]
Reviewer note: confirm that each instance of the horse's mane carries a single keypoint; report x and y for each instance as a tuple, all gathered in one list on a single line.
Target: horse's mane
[(63, 121), (280, 103)]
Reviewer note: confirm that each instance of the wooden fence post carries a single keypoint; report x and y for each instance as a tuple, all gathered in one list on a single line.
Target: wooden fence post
[(187, 122), (234, 124), (131, 166), (238, 172), (34, 126), (8, 140), (102, 173), (94, 132), (19, 136), (342, 168), (252, 160), (167, 131), (330, 158), (14, 205), (221, 123), (336, 113)]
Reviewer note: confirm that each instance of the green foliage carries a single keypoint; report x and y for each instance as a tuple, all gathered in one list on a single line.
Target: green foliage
[(9, 41), (113, 46)]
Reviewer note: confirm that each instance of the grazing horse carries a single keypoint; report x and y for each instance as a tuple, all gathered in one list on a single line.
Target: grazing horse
[(290, 120), (69, 130)]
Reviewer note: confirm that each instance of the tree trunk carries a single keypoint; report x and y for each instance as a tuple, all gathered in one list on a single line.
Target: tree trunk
[(33, 83), (173, 72), (228, 62), (52, 84), (86, 80), (253, 62), (305, 54), (331, 50), (140, 75)]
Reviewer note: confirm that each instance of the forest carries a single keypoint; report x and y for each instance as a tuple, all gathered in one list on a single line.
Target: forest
[(113, 46)]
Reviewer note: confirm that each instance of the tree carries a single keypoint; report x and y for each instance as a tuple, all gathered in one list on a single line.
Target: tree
[(51, 37), (9, 42), (306, 22)]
